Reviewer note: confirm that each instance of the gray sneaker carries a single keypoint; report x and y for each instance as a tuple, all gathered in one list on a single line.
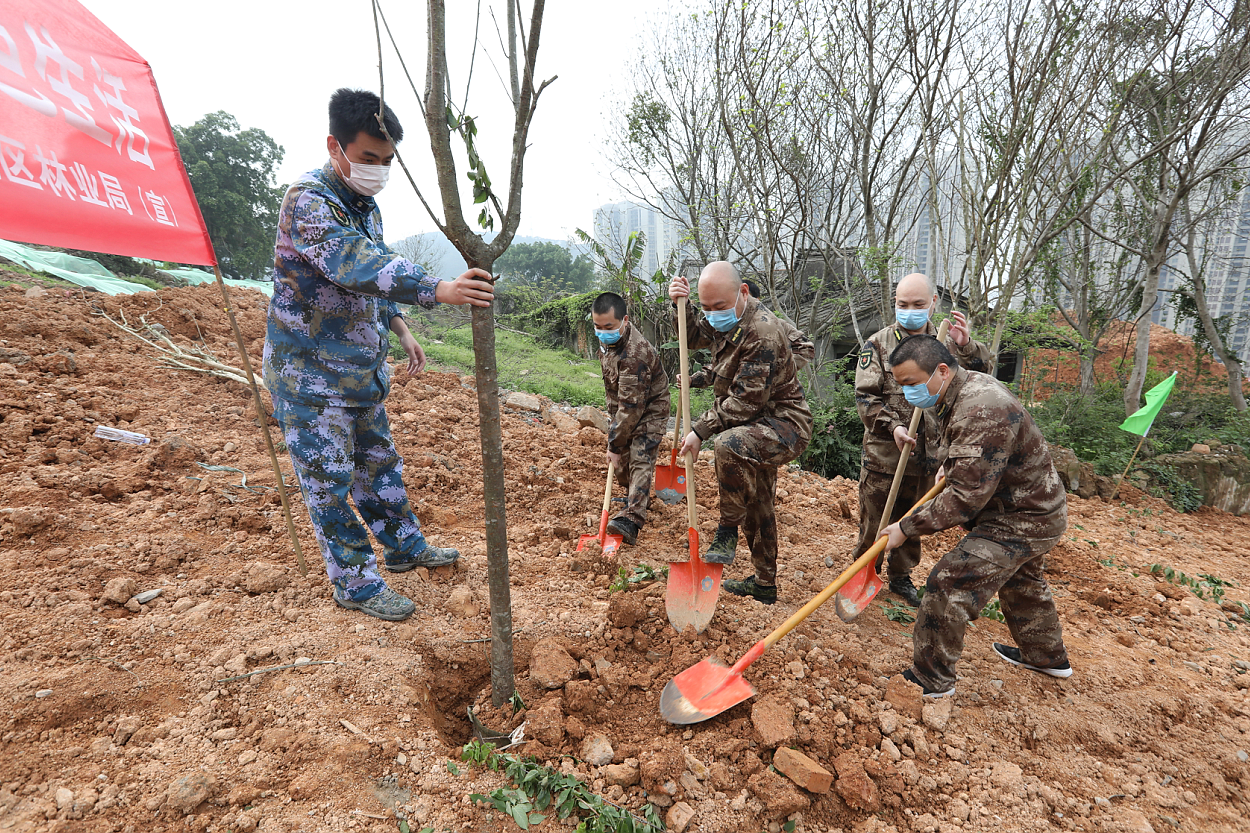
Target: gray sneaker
[(431, 556), (387, 605)]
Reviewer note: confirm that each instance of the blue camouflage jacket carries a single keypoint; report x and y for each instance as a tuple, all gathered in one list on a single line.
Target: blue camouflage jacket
[(336, 286)]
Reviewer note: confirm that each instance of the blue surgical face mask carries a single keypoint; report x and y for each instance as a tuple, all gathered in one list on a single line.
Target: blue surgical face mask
[(911, 319), (918, 395), (608, 337), (723, 320)]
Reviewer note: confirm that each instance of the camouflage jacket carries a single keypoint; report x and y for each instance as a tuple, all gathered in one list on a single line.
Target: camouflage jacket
[(1000, 481), (636, 387), (752, 371), (801, 347), (881, 403), (336, 286)]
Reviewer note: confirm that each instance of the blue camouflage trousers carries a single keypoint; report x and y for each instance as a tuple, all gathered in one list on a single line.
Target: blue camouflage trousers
[(339, 452)]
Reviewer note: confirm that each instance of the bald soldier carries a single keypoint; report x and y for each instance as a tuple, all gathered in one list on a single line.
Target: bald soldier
[(886, 416), (760, 419), (1003, 488)]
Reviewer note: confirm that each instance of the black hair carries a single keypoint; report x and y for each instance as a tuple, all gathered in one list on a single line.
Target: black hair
[(925, 350), (610, 302), (753, 288), (356, 111)]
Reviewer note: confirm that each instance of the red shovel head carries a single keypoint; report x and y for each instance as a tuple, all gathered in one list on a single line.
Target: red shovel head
[(670, 476), (855, 595), (609, 543), (703, 690), (693, 587)]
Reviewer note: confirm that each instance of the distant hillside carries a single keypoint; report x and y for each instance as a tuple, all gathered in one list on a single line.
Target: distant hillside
[(447, 262)]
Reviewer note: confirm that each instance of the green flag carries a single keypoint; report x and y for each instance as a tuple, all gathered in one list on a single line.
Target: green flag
[(1139, 423)]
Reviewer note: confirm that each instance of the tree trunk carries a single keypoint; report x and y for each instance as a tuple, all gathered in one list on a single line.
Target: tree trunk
[(1155, 258), (502, 683), (1231, 363), (1087, 370)]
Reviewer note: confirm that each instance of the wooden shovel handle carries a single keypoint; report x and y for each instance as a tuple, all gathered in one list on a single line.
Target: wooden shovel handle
[(903, 457), (691, 513), (847, 574), (607, 490)]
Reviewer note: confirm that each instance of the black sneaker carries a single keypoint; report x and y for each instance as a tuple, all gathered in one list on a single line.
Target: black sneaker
[(905, 590), (723, 546), (624, 527), (910, 677), (1014, 656), (762, 593)]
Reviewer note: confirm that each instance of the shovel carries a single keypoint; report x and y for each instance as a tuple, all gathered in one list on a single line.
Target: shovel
[(709, 688), (670, 479), (694, 585), (866, 584), (609, 543)]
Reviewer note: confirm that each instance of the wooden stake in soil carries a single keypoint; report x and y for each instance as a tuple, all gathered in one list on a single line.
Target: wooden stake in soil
[(264, 424)]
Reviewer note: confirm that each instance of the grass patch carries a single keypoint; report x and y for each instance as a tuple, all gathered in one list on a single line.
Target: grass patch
[(523, 364)]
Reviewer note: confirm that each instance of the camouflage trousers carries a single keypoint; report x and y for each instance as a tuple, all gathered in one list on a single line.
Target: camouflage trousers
[(747, 458), (874, 491), (348, 452), (636, 473), (960, 587)]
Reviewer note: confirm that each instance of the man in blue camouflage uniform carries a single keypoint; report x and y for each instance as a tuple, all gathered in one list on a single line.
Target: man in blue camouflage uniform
[(337, 287)]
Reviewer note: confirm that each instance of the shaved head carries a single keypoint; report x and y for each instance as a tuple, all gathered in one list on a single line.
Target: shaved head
[(720, 286), (915, 284)]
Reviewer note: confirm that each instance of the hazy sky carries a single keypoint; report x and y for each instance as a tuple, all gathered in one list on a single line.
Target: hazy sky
[(274, 64)]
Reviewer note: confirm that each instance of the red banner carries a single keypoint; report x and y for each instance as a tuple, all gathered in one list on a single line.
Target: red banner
[(87, 156)]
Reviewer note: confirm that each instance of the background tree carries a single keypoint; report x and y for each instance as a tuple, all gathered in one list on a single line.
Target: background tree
[(526, 263), (232, 173)]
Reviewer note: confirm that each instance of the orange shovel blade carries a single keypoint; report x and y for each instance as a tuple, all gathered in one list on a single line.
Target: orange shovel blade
[(855, 595), (611, 543), (670, 476), (693, 588), (702, 691), (601, 536)]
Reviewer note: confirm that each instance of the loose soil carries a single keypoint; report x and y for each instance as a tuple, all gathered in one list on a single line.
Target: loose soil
[(120, 716)]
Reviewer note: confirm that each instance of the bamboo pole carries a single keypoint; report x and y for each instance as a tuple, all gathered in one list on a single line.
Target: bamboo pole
[(264, 424), (1120, 480)]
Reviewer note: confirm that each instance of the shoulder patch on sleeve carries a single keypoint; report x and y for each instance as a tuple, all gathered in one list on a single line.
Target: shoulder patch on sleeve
[(865, 356), (339, 214)]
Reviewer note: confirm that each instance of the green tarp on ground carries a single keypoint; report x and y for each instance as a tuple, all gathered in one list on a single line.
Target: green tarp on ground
[(88, 273)]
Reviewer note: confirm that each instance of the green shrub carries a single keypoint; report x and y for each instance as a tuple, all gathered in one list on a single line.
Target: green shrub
[(837, 433)]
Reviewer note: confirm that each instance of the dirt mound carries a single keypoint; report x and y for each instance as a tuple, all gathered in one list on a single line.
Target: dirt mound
[(121, 711), (1046, 371)]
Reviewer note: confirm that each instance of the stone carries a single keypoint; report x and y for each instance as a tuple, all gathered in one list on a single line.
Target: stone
[(265, 578), (780, 796), (28, 520), (802, 770), (561, 421), (622, 775), (890, 750), (679, 816), (190, 791), (773, 719), (597, 750), (906, 698), (588, 416), (888, 721), (697, 768), (125, 729), (854, 785), (522, 401), (148, 595), (119, 590), (937, 713), (1135, 821), (625, 609), (460, 603), (550, 665), (64, 798), (546, 723), (36, 292), (1007, 775)]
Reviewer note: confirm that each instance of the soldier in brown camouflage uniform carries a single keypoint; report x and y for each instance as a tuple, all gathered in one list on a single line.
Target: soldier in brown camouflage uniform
[(886, 417), (760, 418), (638, 404), (1003, 488), (801, 347)]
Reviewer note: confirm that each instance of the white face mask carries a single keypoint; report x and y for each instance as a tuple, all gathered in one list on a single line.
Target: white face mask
[(366, 180)]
